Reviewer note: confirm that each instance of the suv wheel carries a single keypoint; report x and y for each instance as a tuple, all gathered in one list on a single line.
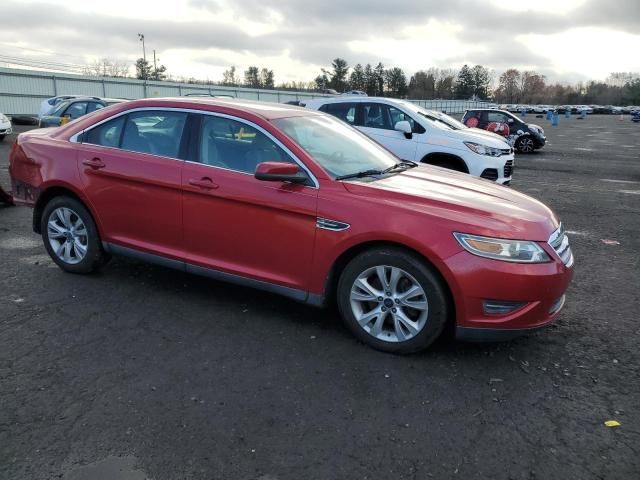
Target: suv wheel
[(525, 144), (391, 300), (70, 236)]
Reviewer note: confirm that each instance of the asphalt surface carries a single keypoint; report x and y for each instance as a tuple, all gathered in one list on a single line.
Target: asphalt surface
[(143, 372)]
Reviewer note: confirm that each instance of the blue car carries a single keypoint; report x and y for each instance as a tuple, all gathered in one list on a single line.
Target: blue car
[(635, 117)]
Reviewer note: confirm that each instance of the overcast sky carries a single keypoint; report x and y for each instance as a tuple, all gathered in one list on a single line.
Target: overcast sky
[(567, 40)]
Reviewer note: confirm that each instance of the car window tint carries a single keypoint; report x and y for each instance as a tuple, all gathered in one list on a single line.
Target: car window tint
[(76, 110), (155, 132), (235, 145), (107, 134), (344, 111)]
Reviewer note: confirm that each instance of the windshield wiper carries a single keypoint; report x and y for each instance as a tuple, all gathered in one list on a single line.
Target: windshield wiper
[(404, 165), (364, 173)]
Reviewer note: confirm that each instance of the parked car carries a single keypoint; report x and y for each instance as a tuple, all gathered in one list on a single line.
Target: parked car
[(635, 117), (355, 93), (74, 108), (5, 126), (50, 103), (524, 137), (411, 133), (329, 91), (309, 208)]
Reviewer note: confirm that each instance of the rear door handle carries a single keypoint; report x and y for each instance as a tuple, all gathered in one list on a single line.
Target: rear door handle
[(204, 183), (94, 163)]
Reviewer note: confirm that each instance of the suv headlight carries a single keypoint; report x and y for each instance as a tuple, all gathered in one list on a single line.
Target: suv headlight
[(519, 251), (483, 149)]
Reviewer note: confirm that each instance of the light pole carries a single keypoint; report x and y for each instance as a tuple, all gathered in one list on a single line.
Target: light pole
[(144, 57)]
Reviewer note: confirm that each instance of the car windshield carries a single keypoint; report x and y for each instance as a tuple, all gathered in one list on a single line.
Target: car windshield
[(439, 119), (338, 148)]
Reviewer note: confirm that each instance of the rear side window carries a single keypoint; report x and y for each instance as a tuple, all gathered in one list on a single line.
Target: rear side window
[(108, 134), (154, 132), (93, 106), (344, 111)]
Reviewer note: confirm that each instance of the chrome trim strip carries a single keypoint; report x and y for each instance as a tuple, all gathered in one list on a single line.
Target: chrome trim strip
[(301, 164), (332, 225)]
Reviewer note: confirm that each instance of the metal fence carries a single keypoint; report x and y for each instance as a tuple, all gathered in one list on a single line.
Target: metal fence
[(22, 91)]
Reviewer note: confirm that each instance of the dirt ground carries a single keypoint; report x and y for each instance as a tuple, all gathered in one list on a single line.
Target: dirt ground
[(140, 371)]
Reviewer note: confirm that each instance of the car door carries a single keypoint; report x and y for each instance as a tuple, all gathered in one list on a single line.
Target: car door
[(377, 120), (133, 180), (236, 224)]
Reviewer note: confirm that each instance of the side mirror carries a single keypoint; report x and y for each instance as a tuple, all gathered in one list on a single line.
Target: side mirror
[(404, 127), (64, 120), (280, 172)]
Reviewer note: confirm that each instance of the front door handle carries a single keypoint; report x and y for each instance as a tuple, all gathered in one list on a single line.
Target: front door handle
[(94, 163), (205, 183)]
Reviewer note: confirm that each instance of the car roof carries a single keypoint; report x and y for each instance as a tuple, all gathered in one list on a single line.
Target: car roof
[(356, 98), (266, 110)]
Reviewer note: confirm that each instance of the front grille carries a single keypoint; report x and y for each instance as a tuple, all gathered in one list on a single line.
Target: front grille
[(490, 174), (508, 168), (559, 241)]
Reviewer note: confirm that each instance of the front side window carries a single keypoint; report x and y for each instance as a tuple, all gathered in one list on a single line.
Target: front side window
[(76, 110), (93, 106), (336, 147), (235, 145), (374, 115), (156, 132), (496, 117)]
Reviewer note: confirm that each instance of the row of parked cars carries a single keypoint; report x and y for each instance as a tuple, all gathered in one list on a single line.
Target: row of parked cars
[(589, 109), (301, 203)]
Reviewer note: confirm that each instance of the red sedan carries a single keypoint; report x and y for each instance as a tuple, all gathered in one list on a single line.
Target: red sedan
[(295, 202)]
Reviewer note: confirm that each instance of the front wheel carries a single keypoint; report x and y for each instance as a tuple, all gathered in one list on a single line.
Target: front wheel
[(525, 144), (392, 300), (70, 236), (2, 137)]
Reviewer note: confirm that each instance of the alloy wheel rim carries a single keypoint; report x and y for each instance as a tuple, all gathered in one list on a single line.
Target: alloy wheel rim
[(67, 235), (526, 145), (389, 304)]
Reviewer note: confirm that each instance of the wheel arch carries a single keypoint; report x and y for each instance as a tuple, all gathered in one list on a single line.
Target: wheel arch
[(350, 253), (58, 190), (440, 158)]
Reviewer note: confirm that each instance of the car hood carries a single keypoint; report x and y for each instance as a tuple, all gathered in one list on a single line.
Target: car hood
[(486, 133), (478, 136), (462, 202)]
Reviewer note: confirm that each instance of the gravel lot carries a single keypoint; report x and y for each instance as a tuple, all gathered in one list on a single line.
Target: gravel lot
[(144, 372)]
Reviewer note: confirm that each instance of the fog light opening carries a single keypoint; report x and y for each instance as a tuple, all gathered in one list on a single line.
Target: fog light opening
[(557, 305), (500, 307)]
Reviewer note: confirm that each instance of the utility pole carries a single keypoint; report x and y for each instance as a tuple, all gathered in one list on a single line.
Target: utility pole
[(144, 56), (155, 67)]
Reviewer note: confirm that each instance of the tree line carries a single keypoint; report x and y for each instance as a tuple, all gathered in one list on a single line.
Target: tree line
[(469, 82)]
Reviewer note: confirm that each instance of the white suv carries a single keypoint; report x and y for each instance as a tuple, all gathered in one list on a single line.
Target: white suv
[(5, 126), (414, 133)]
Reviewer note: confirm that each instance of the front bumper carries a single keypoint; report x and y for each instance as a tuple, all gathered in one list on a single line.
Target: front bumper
[(5, 128), (538, 289)]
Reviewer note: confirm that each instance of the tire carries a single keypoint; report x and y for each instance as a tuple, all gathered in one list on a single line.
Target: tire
[(62, 233), (448, 163), (391, 333), (2, 137), (525, 144)]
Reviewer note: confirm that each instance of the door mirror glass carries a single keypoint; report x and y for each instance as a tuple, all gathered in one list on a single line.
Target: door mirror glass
[(280, 172)]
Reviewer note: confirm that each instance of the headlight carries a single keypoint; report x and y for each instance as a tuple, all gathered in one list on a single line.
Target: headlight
[(3, 118), (483, 149), (519, 251)]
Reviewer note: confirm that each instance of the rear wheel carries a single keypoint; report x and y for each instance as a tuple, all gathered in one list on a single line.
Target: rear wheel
[(525, 144), (70, 236), (392, 300)]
